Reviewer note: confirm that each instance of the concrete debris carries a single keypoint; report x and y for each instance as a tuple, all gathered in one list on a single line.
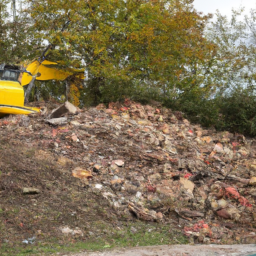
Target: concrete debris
[(81, 173), (57, 121), (66, 108), (119, 163), (142, 213), (74, 232), (30, 191), (150, 163)]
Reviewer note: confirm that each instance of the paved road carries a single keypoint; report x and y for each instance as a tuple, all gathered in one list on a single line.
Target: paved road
[(179, 250)]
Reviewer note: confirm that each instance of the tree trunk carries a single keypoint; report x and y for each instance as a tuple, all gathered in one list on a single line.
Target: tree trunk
[(94, 88), (29, 89), (67, 89), (14, 9)]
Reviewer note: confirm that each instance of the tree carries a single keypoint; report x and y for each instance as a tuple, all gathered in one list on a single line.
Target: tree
[(233, 65), (231, 72), (17, 41), (128, 44), (14, 9), (3, 30)]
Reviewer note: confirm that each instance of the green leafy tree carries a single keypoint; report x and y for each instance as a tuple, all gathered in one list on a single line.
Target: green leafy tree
[(233, 65), (231, 73), (17, 41), (128, 44), (4, 43)]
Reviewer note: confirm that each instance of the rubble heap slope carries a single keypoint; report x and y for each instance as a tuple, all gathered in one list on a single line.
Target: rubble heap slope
[(89, 173)]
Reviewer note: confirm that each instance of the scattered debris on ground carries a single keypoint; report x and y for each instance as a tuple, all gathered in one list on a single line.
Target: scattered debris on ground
[(67, 169)]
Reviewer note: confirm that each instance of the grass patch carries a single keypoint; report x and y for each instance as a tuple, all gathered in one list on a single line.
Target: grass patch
[(142, 234)]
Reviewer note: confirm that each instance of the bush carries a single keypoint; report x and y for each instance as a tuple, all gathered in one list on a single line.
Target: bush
[(238, 112), (196, 108), (235, 112)]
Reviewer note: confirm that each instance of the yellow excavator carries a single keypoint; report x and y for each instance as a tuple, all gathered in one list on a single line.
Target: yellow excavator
[(13, 80), (12, 92)]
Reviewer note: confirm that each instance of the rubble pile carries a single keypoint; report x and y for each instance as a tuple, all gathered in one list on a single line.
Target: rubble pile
[(150, 163)]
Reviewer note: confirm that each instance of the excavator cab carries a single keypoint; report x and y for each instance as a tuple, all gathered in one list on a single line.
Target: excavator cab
[(12, 92)]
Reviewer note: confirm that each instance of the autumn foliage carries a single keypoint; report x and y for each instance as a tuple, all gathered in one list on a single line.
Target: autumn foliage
[(129, 48), (145, 50)]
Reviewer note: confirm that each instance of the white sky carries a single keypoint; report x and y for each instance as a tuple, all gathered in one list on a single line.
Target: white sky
[(224, 6)]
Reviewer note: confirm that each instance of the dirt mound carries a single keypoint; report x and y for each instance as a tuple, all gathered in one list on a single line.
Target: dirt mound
[(122, 171)]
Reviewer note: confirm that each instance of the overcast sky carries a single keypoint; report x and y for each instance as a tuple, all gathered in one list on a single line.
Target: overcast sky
[(224, 6)]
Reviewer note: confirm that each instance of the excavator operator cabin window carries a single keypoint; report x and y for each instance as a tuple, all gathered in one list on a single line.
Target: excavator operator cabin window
[(9, 75)]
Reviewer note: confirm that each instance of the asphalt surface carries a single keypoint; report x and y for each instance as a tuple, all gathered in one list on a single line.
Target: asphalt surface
[(179, 250)]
